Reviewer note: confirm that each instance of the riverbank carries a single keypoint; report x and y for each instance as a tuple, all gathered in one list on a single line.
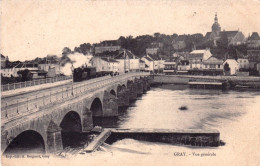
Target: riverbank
[(237, 82)]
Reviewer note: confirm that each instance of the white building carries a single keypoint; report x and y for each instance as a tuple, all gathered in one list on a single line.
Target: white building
[(127, 61), (108, 45), (142, 65), (243, 63), (170, 66), (149, 63), (52, 69), (105, 64), (153, 63), (183, 66), (230, 66), (152, 50), (197, 57), (8, 72)]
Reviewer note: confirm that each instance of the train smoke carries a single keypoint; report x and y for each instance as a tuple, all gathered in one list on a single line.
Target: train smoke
[(75, 59)]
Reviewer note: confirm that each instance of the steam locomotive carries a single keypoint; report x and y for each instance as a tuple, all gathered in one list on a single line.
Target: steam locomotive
[(86, 73)]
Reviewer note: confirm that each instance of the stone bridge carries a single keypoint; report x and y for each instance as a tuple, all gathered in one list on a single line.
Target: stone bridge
[(43, 120)]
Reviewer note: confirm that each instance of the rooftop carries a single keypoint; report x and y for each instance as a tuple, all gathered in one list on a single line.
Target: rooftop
[(124, 53), (110, 60)]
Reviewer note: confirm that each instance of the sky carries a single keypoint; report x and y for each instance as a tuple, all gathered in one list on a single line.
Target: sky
[(36, 28)]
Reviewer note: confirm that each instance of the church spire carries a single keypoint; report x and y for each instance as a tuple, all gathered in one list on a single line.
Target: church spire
[(216, 27), (216, 18)]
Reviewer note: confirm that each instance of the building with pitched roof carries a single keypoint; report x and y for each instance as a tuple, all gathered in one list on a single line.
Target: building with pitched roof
[(152, 50), (127, 61), (232, 37), (149, 63), (213, 66), (183, 66), (153, 63), (108, 45), (33, 68), (230, 67), (105, 64), (170, 66), (253, 41), (196, 58)]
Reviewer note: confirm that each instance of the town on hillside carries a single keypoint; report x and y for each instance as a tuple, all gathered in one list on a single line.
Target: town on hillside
[(218, 52)]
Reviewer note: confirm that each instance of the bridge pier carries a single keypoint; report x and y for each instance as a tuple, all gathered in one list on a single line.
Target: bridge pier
[(123, 97), (140, 88), (87, 120), (132, 86), (54, 140), (110, 106)]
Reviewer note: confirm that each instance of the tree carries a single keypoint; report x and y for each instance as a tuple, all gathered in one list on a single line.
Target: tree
[(226, 67), (223, 41), (25, 75), (157, 35), (83, 48), (66, 51)]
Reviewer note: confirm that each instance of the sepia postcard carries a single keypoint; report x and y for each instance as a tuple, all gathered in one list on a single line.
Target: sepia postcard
[(130, 82)]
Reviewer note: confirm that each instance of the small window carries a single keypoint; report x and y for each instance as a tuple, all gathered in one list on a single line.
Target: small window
[(218, 66)]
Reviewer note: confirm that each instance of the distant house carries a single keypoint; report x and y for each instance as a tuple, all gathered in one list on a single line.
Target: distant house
[(33, 68), (127, 61), (142, 65), (149, 63), (230, 67), (179, 42), (108, 45), (196, 58), (170, 66), (253, 41), (52, 69), (183, 66), (243, 63), (253, 55), (213, 66), (152, 50), (105, 64), (153, 63)]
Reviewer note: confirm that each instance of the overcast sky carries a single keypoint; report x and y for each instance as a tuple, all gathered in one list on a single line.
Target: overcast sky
[(31, 29)]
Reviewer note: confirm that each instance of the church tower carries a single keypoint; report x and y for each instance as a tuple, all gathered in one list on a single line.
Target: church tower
[(216, 27)]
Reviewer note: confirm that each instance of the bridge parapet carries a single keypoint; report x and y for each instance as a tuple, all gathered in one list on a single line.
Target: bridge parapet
[(15, 109)]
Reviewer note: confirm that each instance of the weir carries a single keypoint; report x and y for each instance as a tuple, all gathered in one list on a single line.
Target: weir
[(192, 137)]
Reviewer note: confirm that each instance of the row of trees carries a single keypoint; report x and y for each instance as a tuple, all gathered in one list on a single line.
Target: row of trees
[(139, 44)]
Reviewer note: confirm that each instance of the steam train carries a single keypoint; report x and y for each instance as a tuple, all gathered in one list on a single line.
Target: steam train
[(86, 73)]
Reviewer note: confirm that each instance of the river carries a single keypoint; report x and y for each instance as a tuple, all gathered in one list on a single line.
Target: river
[(236, 114)]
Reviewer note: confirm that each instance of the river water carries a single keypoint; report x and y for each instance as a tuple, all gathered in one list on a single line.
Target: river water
[(236, 114)]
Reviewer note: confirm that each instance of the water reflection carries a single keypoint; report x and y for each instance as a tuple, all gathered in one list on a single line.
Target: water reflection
[(159, 108)]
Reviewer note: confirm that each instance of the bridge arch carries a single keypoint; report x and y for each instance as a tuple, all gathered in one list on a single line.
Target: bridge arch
[(113, 92), (27, 142), (96, 108), (119, 88), (70, 128)]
